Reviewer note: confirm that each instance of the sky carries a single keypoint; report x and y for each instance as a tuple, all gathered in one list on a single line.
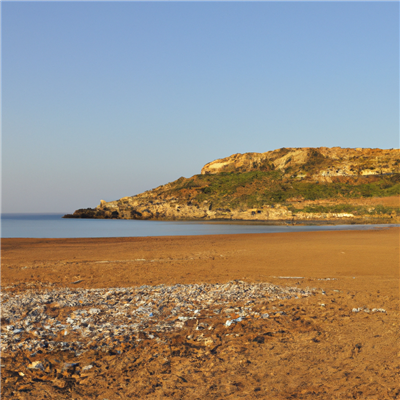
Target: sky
[(102, 100)]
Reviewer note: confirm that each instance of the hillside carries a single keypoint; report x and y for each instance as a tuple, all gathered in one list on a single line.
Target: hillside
[(296, 184)]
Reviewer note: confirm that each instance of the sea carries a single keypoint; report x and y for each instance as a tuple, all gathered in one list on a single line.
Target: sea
[(54, 226)]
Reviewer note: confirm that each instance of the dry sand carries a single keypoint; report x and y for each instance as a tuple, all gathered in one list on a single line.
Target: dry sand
[(319, 349)]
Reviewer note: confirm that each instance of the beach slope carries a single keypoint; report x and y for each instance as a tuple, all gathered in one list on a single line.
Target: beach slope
[(334, 335)]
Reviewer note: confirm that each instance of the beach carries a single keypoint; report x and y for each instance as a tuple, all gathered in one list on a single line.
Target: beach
[(333, 335)]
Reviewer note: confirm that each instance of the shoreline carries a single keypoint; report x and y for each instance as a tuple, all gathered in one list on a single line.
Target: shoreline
[(185, 229), (272, 222)]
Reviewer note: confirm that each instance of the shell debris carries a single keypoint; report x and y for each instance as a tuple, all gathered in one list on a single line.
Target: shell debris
[(79, 319)]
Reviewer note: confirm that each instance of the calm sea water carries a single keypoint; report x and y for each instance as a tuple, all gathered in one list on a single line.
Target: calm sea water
[(53, 226)]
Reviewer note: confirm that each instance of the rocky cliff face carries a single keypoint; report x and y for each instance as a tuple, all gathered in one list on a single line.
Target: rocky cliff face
[(322, 161), (269, 186)]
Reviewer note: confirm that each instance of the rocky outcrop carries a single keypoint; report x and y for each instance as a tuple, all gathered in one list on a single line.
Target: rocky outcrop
[(202, 197), (171, 210), (321, 162)]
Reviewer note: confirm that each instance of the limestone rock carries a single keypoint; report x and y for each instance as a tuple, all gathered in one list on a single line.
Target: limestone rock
[(204, 196), (333, 161)]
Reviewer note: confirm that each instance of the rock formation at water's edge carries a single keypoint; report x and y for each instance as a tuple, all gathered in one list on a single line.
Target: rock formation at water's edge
[(295, 184)]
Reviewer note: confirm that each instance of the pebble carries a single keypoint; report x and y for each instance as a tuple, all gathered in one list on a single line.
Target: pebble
[(290, 277), (70, 365), (36, 365), (382, 310), (367, 310), (103, 318)]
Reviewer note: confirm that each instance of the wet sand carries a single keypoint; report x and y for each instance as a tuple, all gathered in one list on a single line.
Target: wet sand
[(319, 348)]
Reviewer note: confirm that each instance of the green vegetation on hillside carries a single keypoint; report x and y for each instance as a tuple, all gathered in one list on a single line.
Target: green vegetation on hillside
[(257, 188)]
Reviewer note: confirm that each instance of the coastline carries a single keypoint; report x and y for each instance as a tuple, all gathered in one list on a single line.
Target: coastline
[(53, 226)]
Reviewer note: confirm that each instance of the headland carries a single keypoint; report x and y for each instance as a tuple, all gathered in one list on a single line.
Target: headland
[(299, 185)]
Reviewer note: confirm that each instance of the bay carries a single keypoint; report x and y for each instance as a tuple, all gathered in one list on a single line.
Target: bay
[(54, 226)]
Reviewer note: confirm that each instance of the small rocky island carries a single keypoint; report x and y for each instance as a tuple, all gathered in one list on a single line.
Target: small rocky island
[(300, 185)]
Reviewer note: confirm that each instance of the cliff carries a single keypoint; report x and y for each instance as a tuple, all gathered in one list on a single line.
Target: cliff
[(296, 184), (317, 163)]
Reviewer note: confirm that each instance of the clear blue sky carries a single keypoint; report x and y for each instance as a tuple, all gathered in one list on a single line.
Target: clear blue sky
[(108, 99)]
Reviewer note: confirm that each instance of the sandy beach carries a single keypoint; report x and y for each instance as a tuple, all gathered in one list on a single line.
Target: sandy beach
[(339, 341)]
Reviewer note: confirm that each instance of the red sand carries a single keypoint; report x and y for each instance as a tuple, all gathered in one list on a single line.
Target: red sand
[(325, 352)]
